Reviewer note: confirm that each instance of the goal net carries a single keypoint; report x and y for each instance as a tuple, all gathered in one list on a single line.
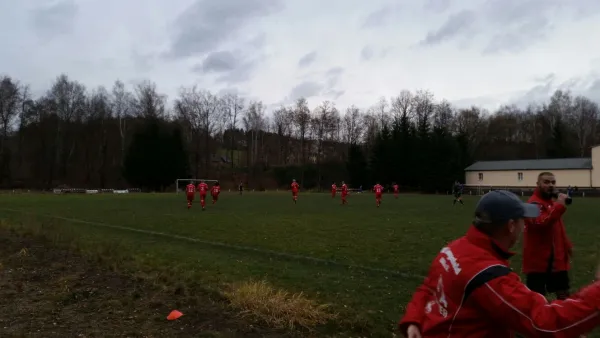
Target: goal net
[(180, 183), (480, 190)]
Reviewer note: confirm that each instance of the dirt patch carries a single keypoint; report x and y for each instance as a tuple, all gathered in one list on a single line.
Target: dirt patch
[(48, 291)]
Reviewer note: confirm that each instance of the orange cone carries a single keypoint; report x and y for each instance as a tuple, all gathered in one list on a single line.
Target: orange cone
[(174, 315)]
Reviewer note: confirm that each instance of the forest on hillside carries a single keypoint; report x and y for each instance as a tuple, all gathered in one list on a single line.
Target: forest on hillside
[(134, 137)]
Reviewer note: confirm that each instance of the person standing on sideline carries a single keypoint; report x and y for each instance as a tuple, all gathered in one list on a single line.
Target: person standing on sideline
[(546, 248), (470, 291)]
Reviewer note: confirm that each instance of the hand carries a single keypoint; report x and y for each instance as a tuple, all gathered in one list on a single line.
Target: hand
[(561, 199), (414, 332)]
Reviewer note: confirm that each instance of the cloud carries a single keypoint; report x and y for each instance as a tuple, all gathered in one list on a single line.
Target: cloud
[(366, 53), (307, 60), (54, 19), (332, 76), (305, 89), (519, 39), (378, 18), (492, 56), (458, 23), (588, 86), (437, 6), (230, 66), (221, 61), (207, 24), (505, 25)]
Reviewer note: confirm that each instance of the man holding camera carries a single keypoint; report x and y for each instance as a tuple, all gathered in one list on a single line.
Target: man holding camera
[(546, 248)]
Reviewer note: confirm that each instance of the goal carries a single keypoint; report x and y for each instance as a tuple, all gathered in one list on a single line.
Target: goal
[(180, 183), (480, 190)]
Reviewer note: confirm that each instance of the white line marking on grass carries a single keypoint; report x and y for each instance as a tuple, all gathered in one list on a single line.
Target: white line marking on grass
[(225, 245)]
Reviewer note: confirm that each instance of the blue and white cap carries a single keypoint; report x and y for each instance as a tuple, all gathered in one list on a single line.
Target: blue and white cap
[(500, 206)]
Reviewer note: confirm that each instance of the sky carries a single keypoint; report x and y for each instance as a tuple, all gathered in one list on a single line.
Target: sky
[(470, 52)]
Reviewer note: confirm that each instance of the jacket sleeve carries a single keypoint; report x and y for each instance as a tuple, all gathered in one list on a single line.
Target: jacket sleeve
[(415, 310), (547, 217), (510, 303)]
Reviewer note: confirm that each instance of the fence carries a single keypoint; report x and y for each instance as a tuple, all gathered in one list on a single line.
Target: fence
[(478, 190)]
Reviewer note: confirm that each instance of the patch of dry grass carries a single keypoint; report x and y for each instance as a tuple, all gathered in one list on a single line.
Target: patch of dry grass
[(277, 308)]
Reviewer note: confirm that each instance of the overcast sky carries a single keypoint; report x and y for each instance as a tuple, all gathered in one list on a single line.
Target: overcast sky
[(351, 52)]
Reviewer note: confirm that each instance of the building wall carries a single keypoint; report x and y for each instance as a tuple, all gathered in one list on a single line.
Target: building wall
[(596, 166), (579, 178)]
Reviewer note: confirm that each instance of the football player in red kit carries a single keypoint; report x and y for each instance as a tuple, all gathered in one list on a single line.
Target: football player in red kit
[(190, 191), (378, 189), (396, 190), (344, 193), (215, 191), (333, 190), (295, 188), (203, 189)]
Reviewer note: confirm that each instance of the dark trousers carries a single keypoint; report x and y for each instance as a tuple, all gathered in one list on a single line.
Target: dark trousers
[(551, 282)]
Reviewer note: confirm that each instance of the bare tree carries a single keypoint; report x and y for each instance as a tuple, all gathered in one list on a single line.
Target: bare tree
[(121, 105), (402, 106), (302, 122), (10, 98), (148, 102), (96, 147), (233, 106), (443, 116), (254, 123), (583, 119), (282, 124), (381, 111), (424, 108), (352, 125), (199, 110), (69, 101)]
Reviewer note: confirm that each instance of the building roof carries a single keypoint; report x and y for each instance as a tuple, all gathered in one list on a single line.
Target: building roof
[(546, 164)]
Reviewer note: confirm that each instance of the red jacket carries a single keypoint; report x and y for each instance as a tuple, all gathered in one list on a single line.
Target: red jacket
[(471, 292), (545, 241)]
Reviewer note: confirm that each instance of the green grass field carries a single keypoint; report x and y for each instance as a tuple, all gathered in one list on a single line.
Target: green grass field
[(364, 261)]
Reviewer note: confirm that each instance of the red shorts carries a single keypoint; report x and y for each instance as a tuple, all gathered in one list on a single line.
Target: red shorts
[(294, 193), (378, 196), (344, 195), (203, 196), (215, 197), (190, 197)]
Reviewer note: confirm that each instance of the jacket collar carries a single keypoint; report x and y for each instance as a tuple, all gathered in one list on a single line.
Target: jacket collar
[(484, 241)]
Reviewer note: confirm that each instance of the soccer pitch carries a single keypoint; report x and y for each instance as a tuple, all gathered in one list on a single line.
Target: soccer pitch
[(364, 261)]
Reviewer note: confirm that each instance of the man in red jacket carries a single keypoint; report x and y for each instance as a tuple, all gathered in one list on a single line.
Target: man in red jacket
[(471, 292), (546, 247)]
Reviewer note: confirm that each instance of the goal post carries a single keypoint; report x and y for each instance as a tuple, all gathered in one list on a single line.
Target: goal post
[(181, 183)]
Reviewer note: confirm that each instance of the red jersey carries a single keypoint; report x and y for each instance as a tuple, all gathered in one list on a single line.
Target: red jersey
[(215, 190), (471, 292), (396, 188), (378, 189), (190, 189), (545, 240), (344, 189), (295, 186), (333, 187), (202, 188)]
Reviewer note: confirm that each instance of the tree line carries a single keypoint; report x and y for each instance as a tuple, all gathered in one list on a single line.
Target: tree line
[(134, 137)]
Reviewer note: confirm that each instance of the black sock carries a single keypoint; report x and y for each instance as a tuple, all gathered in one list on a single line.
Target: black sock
[(461, 202), (454, 202)]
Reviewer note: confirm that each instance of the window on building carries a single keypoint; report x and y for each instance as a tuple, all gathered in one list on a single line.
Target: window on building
[(481, 176), (520, 176)]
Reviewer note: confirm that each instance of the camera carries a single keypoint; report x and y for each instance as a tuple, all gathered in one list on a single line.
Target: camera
[(568, 200)]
